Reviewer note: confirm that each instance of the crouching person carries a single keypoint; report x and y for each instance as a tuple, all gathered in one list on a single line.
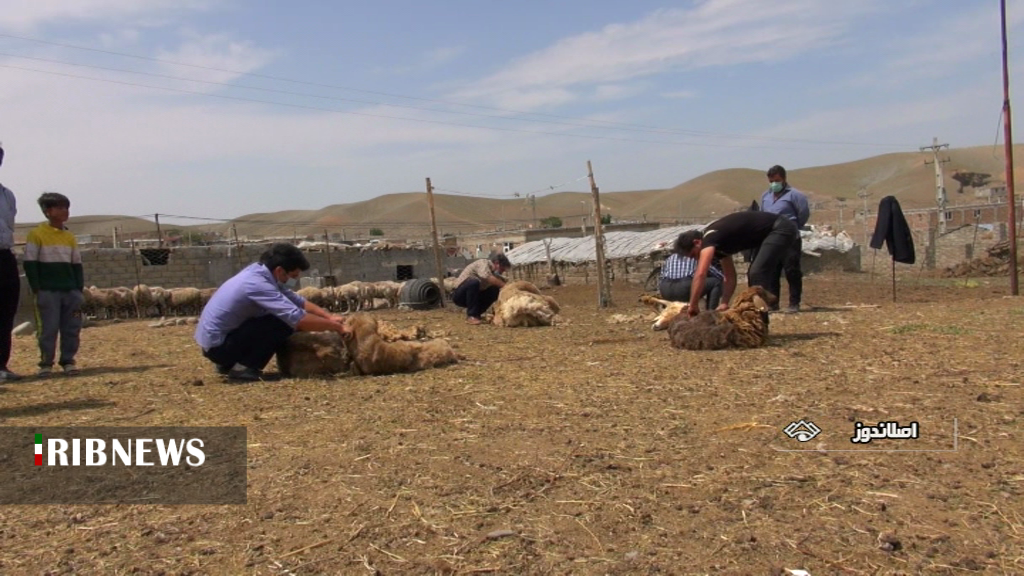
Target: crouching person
[(478, 285), (250, 316)]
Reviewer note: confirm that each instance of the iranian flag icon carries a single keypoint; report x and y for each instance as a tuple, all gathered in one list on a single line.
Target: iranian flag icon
[(39, 449)]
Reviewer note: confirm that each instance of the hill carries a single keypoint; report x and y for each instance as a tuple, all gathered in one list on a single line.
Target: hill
[(405, 215)]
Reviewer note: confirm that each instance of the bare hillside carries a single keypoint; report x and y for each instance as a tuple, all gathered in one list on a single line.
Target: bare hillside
[(904, 175)]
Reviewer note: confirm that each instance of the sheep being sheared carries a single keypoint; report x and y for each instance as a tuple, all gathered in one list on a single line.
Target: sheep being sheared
[(323, 354), (313, 355), (520, 303), (743, 325), (667, 310), (371, 355)]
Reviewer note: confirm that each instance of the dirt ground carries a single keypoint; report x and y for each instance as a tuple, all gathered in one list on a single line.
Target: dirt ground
[(584, 448)]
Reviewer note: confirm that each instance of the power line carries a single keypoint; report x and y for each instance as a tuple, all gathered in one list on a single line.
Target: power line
[(608, 124)]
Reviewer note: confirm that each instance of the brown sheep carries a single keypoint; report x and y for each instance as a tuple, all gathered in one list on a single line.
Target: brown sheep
[(520, 303), (743, 325), (313, 355), (371, 355)]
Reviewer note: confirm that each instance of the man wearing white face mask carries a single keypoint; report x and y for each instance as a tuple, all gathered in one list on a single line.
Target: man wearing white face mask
[(250, 316), (784, 200)]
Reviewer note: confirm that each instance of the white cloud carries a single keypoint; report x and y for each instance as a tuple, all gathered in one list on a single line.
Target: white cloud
[(425, 62), (712, 33), (951, 41), (25, 15), (606, 92), (213, 58), (439, 56)]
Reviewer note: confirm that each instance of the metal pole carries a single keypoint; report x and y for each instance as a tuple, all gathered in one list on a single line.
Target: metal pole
[(1011, 203)]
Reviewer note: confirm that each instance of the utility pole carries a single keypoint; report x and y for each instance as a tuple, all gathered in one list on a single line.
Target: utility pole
[(863, 195), (437, 243), (533, 205), (1011, 202), (604, 296), (940, 187)]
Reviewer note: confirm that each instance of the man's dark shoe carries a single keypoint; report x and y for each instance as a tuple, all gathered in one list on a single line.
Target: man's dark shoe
[(8, 376), (223, 370), (793, 309), (246, 375)]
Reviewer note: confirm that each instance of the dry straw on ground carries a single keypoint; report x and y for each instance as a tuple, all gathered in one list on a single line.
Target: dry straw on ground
[(589, 448)]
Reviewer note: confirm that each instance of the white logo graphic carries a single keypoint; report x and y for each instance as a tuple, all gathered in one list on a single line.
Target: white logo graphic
[(802, 430)]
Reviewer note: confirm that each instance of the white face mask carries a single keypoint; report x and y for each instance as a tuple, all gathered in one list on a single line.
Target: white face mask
[(289, 283)]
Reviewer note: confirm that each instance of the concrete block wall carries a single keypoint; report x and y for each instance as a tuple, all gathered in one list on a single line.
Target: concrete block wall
[(637, 270), (961, 245), (210, 266)]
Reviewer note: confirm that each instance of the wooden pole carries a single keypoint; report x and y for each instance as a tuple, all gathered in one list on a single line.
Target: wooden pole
[(327, 248), (159, 234), (1011, 202), (894, 279), (437, 243), (135, 260), (604, 292), (238, 249)]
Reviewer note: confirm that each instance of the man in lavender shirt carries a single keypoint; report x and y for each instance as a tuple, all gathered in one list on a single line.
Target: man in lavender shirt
[(251, 315)]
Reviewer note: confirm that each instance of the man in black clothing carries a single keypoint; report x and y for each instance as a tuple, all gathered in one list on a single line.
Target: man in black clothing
[(770, 234), (10, 282)]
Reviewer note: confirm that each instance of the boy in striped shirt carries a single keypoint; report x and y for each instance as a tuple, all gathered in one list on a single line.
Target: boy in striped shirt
[(53, 267)]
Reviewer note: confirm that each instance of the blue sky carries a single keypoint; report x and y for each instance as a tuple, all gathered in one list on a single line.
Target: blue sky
[(219, 108)]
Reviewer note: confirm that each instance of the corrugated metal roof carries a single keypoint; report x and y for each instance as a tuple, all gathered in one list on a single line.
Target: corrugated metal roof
[(639, 244)]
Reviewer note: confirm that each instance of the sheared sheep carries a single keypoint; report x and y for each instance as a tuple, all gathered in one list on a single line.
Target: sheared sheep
[(371, 355), (743, 325), (667, 310), (313, 355), (520, 304)]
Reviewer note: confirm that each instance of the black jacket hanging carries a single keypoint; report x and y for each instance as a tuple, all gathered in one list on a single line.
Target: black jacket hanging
[(892, 229)]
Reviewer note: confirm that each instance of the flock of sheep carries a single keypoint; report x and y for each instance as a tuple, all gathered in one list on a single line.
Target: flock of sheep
[(144, 301), (380, 348)]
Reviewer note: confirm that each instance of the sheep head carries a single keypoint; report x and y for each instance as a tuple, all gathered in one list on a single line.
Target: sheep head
[(762, 299), (667, 311)]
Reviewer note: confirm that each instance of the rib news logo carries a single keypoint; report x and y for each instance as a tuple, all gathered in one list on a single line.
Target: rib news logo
[(123, 465), (130, 452)]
